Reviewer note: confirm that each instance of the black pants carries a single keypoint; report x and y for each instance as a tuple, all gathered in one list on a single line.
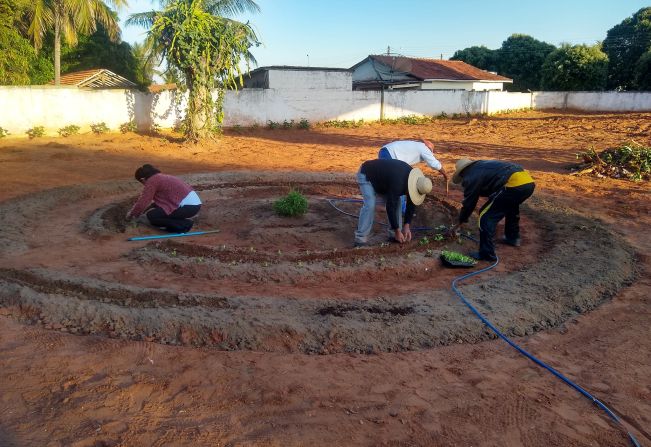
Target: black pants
[(177, 221), (503, 204)]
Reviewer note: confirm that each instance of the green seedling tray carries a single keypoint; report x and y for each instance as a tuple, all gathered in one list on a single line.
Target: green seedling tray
[(456, 263)]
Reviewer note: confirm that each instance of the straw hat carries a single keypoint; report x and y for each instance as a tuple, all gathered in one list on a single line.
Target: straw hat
[(459, 167), (418, 186)]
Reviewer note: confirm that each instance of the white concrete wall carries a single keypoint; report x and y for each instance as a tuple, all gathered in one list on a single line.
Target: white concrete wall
[(594, 101), (22, 108), (310, 80)]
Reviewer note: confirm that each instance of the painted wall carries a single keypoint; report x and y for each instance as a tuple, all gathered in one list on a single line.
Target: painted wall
[(310, 80), (22, 108)]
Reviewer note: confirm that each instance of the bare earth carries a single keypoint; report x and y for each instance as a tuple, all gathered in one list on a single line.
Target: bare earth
[(274, 332)]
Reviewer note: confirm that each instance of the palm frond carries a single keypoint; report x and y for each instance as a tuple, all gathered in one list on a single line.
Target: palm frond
[(231, 8), (143, 19), (42, 20)]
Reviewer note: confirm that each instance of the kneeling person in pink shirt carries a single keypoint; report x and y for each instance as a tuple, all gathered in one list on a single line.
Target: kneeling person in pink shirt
[(167, 201)]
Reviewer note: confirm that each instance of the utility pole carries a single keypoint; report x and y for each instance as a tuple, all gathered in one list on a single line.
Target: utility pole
[(441, 56), (308, 60), (388, 50)]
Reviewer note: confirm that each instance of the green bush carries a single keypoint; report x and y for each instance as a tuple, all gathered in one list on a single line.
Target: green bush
[(99, 128), (3, 132), (293, 204), (129, 126), (303, 124), (272, 125), (71, 129), (35, 132), (343, 123), (288, 124)]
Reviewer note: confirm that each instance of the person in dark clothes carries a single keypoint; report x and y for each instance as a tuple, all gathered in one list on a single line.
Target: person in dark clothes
[(392, 179), (506, 185), (167, 201)]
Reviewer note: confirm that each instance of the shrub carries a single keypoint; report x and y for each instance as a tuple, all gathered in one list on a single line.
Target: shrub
[(288, 124), (343, 123), (129, 126), (293, 204), (303, 124), (99, 128), (632, 162), (272, 125), (71, 129), (35, 132), (3, 132)]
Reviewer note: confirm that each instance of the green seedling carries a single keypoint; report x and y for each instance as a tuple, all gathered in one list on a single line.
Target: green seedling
[(423, 241), (454, 256), (438, 237)]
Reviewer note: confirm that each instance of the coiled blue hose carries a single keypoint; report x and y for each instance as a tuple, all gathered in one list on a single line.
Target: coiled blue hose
[(522, 351)]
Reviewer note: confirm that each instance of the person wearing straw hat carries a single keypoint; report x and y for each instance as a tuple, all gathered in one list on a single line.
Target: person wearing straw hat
[(391, 179), (507, 185)]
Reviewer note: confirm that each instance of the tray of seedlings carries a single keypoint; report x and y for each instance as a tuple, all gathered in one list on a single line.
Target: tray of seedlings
[(456, 259)]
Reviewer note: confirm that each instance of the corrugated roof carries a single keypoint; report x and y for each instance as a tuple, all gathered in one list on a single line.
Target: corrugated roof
[(95, 78), (438, 69)]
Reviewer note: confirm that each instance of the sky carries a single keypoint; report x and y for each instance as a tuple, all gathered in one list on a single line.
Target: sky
[(340, 33)]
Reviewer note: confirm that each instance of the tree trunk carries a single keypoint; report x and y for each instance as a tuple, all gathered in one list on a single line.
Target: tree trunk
[(57, 51), (200, 115)]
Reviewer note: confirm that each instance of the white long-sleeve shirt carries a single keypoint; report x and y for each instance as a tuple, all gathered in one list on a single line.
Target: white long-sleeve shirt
[(412, 152)]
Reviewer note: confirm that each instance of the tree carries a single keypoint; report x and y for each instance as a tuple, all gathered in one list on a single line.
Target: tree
[(643, 72), (145, 64), (521, 58), (98, 50), (577, 67), (478, 56), (625, 44), (19, 63), (205, 48), (67, 18)]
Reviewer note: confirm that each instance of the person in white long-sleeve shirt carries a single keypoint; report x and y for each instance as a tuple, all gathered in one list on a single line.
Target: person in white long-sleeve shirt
[(413, 152)]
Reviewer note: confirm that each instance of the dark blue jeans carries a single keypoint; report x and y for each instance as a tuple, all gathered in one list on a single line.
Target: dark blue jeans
[(178, 221), (504, 204)]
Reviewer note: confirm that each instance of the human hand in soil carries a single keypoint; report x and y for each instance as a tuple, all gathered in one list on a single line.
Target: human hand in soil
[(397, 234), (406, 231)]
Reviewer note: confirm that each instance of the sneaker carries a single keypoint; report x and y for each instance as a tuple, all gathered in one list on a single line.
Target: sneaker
[(512, 242), (479, 257)]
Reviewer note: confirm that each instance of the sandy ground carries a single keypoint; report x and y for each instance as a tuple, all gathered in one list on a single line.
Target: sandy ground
[(59, 388)]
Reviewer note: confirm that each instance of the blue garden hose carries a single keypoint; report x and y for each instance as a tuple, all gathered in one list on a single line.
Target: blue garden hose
[(531, 357), (522, 351)]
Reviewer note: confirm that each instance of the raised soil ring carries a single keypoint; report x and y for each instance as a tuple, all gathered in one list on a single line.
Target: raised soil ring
[(293, 285)]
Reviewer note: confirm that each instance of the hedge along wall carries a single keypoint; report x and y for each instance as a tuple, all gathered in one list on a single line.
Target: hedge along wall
[(22, 108)]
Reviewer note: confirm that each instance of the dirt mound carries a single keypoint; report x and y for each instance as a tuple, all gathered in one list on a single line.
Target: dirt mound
[(318, 295)]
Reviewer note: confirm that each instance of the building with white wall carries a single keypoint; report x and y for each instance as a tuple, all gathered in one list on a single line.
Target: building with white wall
[(399, 72), (285, 77)]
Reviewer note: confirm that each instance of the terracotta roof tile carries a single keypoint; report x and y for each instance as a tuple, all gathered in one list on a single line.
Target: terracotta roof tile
[(439, 69)]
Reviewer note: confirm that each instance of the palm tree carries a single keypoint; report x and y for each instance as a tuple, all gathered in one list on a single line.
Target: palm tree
[(67, 18), (205, 48)]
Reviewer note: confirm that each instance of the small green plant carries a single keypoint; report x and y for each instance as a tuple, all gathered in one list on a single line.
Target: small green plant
[(293, 204), (36, 132), (129, 126), (71, 129), (455, 256), (423, 241), (3, 132), (438, 237), (303, 124), (288, 124), (99, 128), (272, 125), (343, 124), (154, 128), (443, 115)]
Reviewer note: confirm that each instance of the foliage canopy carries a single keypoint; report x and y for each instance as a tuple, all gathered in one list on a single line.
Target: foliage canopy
[(577, 67)]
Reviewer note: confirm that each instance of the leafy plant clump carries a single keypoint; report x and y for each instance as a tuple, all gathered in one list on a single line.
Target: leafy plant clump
[(99, 128), (71, 129), (3, 132), (454, 256), (36, 132), (129, 126), (293, 204), (630, 161), (303, 124)]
